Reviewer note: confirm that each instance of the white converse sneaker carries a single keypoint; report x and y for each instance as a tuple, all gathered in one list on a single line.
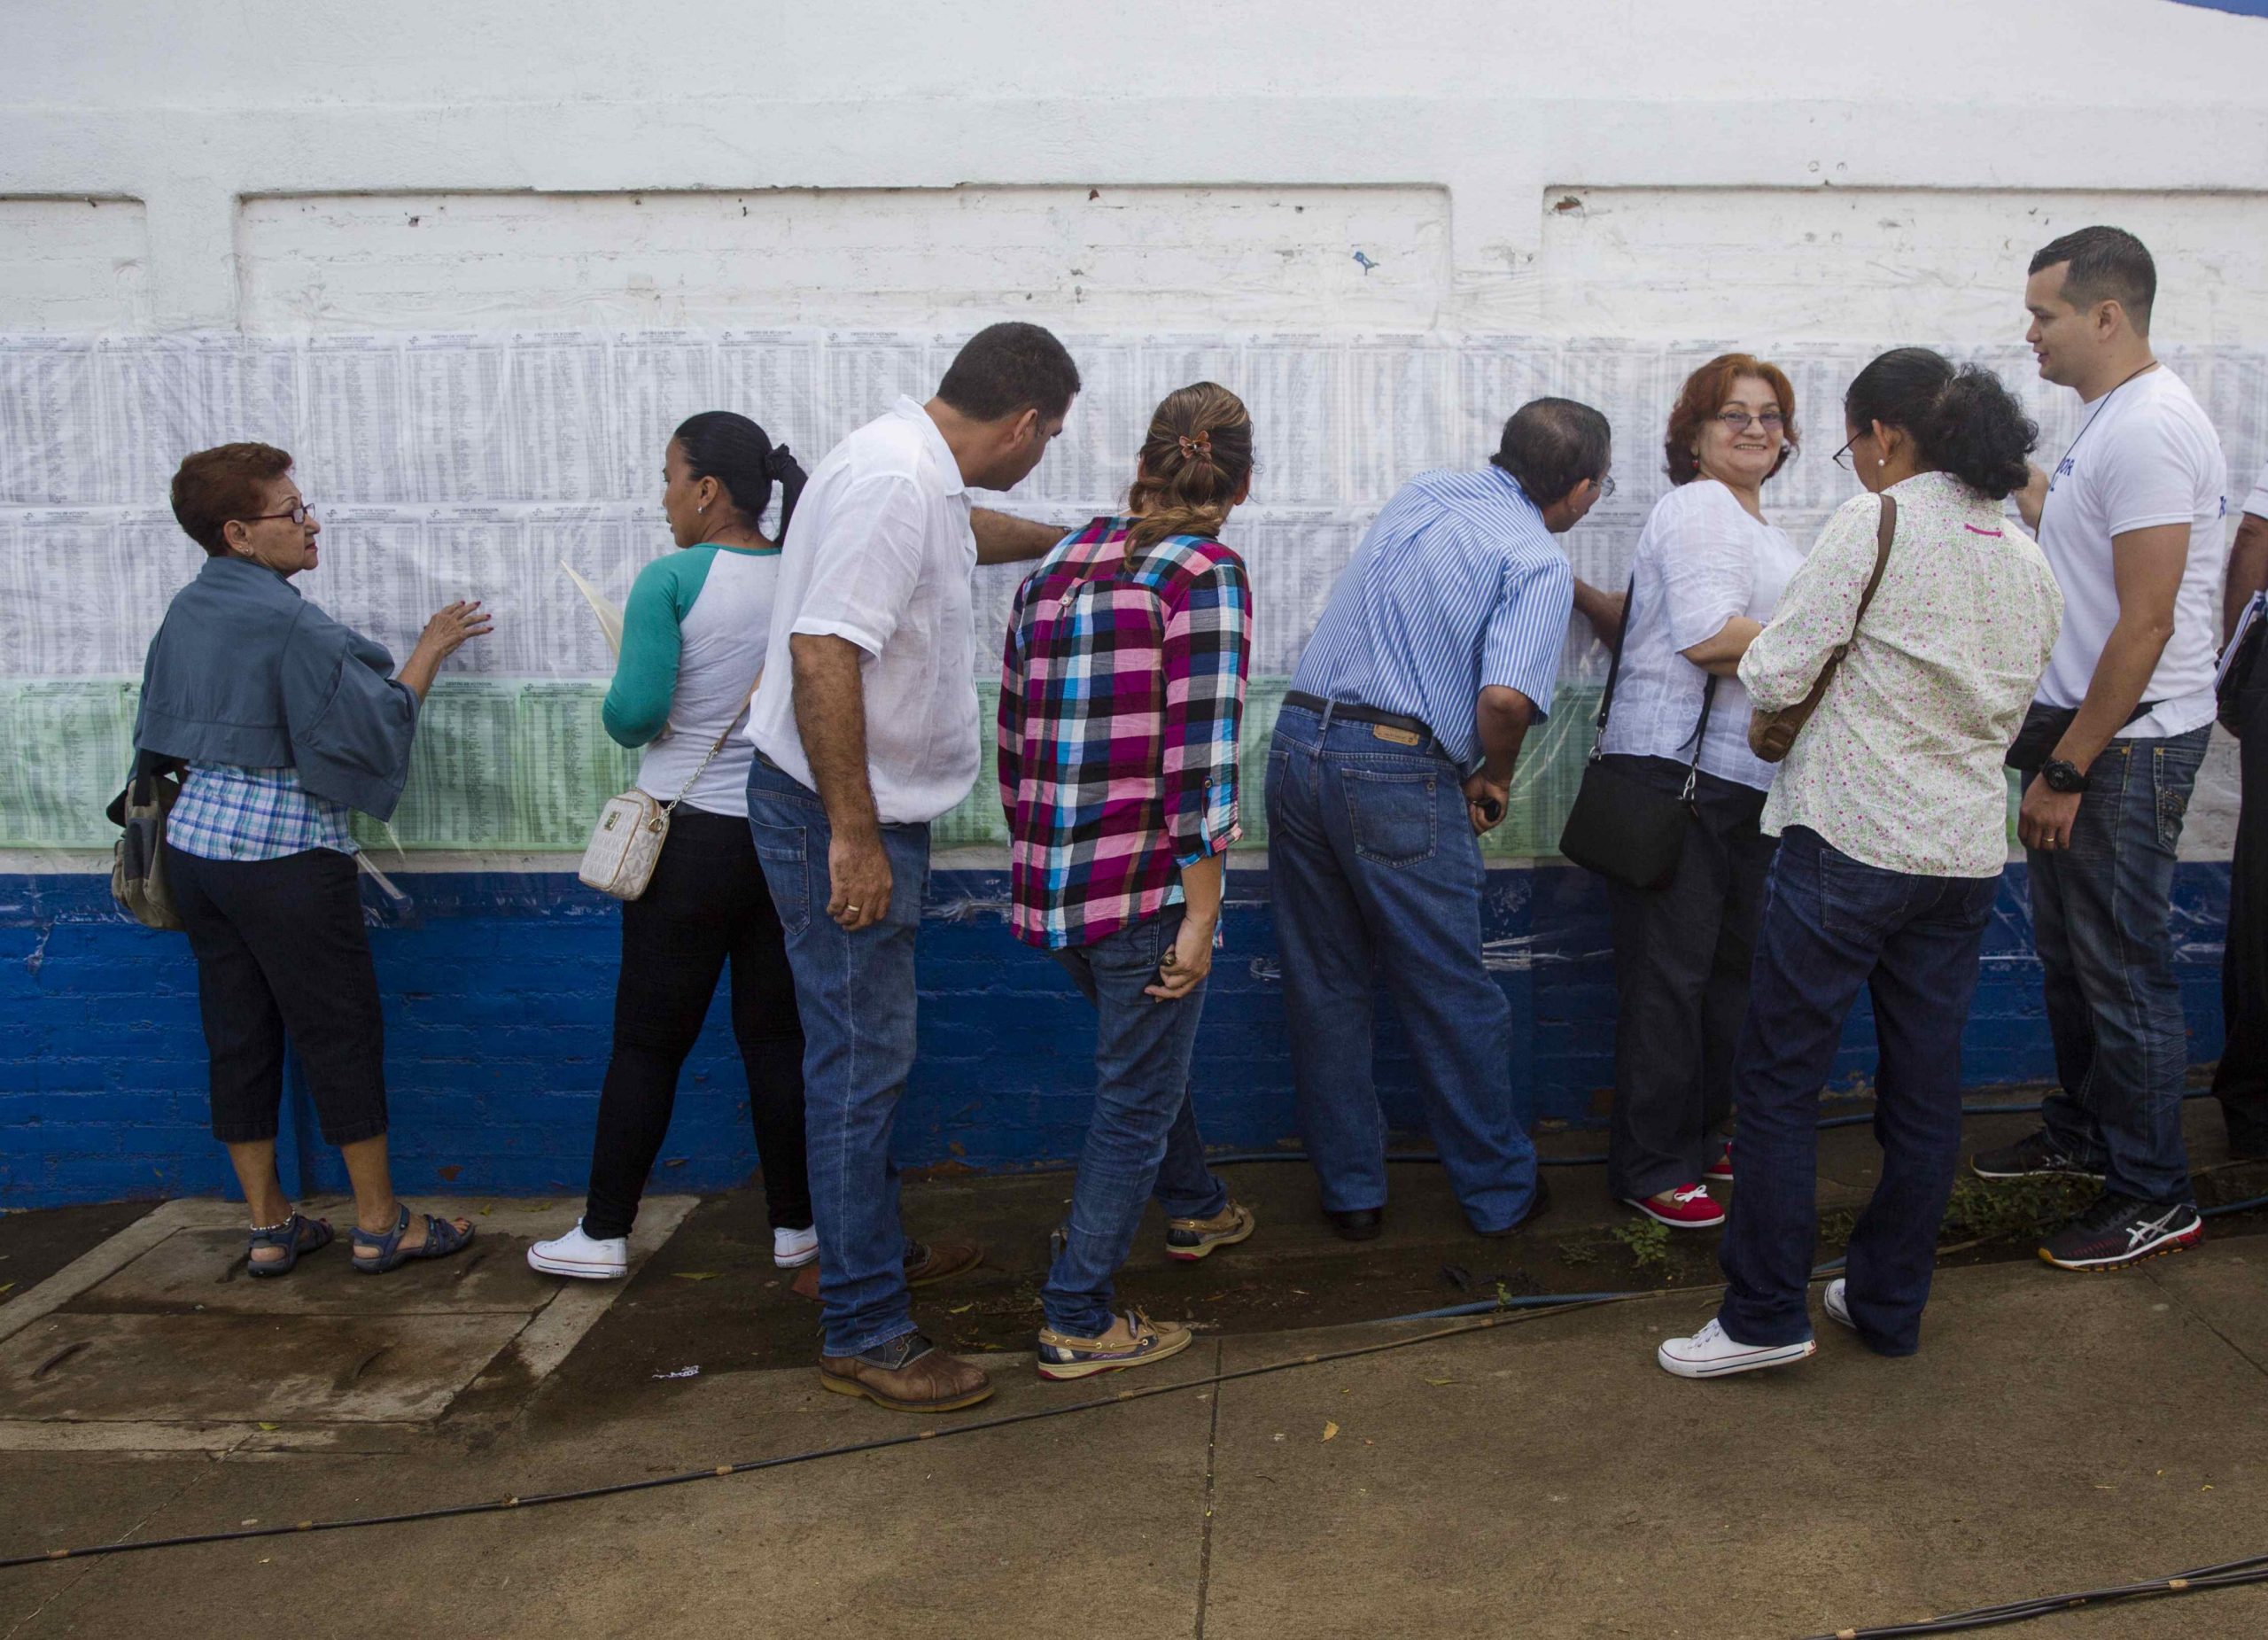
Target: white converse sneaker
[(1710, 1354), (576, 1253), (792, 1249), (1839, 1304)]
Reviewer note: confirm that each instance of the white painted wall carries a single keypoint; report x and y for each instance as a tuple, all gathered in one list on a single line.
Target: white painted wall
[(1702, 141)]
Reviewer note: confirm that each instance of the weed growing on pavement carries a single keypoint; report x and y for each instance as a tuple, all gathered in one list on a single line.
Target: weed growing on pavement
[(2012, 1209), (1649, 1244)]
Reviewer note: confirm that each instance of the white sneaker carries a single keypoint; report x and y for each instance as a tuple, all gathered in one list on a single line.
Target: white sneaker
[(576, 1253), (1839, 1304), (792, 1249), (1710, 1354)]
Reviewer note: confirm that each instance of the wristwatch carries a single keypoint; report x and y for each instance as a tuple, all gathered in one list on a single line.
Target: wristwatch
[(2063, 775)]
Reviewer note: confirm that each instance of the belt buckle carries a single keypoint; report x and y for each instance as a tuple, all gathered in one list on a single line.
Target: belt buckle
[(1400, 737)]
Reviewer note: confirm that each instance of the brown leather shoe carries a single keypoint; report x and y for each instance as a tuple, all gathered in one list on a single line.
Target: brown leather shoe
[(925, 1263), (908, 1374)]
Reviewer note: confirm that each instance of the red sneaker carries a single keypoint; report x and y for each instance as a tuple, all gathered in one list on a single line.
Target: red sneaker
[(1688, 1207), (1720, 1171)]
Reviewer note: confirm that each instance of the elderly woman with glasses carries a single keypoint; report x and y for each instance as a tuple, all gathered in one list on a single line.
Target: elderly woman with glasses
[(286, 722), (1709, 568)]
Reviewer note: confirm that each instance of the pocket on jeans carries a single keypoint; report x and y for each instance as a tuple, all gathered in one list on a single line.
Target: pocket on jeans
[(1394, 815), (782, 853), (1858, 901), (2174, 780)]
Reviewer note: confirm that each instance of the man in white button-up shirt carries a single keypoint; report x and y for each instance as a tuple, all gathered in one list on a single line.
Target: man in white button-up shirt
[(866, 730)]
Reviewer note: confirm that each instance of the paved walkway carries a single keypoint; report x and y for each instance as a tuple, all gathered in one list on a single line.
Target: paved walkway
[(1540, 1479)]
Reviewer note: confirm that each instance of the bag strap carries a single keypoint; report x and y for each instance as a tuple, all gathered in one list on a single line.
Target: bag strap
[(716, 747), (1613, 666), (1882, 535)]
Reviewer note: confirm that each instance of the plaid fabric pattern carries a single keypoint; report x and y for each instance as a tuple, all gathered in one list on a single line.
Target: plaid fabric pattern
[(226, 812), (1122, 691)]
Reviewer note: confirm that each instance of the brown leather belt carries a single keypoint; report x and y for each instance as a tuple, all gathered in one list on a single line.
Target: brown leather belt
[(1354, 712)]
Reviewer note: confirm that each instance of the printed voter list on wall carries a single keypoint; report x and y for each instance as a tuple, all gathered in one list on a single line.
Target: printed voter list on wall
[(468, 465)]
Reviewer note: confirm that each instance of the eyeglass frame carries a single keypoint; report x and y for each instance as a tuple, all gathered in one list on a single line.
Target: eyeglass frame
[(1738, 422), (1606, 482), (299, 512)]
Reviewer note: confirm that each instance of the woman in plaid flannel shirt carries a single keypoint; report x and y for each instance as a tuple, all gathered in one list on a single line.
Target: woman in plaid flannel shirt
[(1121, 693)]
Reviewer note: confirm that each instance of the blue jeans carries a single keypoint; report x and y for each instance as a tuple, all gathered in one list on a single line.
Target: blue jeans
[(1142, 1137), (855, 995), (1375, 874), (1832, 924), (2100, 911)]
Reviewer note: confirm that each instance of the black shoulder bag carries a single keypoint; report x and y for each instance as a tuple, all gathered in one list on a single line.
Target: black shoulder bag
[(1622, 827)]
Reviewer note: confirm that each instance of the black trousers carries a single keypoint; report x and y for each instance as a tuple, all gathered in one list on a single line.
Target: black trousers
[(1682, 956), (2241, 1082), (281, 952), (707, 903)]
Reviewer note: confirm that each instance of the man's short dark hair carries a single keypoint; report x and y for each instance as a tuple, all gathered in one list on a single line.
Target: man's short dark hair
[(1006, 370), (1552, 445), (2106, 265)]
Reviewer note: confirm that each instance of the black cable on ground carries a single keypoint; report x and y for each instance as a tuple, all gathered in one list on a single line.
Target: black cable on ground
[(2228, 1575)]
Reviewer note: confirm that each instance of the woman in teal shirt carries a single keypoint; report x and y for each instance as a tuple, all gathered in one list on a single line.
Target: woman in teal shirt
[(693, 637)]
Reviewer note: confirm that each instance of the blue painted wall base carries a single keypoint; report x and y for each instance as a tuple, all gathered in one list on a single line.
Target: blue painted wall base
[(498, 998)]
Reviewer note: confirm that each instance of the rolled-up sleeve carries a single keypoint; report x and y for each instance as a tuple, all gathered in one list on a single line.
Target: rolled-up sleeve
[(867, 563), (1817, 609), (1207, 651), (1708, 563), (1520, 645), (351, 723)]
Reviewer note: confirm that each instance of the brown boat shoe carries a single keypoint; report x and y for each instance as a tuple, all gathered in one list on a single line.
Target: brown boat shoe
[(1190, 1240), (908, 1374), (924, 1262)]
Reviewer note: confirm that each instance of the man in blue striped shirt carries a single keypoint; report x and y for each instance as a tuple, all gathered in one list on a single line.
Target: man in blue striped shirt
[(1393, 754)]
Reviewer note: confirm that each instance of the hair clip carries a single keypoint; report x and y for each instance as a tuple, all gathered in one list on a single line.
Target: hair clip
[(1197, 445)]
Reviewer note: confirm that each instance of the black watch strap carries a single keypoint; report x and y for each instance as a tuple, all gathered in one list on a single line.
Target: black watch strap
[(2063, 775)]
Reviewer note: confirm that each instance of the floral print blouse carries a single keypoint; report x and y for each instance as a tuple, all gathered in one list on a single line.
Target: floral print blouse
[(1900, 767)]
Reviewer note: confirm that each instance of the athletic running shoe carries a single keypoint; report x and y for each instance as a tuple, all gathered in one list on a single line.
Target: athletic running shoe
[(593, 1258), (1133, 1339), (2118, 1231), (1688, 1207), (1720, 1171), (1712, 1353), (2033, 1156), (1838, 1303)]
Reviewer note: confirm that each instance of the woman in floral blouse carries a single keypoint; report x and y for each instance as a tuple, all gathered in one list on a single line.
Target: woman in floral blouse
[(1892, 815)]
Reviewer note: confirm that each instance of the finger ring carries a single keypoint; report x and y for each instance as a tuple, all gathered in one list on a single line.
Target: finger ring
[(853, 910)]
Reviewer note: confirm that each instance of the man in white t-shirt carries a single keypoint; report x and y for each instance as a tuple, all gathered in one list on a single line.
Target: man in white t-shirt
[(2241, 1082), (866, 730), (2131, 522)]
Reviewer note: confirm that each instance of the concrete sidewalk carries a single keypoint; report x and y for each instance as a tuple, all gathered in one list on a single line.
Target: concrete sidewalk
[(1539, 1479)]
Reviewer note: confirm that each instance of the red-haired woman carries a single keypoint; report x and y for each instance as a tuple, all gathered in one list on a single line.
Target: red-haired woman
[(1708, 570)]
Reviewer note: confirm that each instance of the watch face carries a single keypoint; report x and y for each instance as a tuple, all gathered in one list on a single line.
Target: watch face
[(2061, 776)]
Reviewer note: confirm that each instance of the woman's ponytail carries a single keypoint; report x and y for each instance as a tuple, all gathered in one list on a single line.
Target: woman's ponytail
[(1963, 422)]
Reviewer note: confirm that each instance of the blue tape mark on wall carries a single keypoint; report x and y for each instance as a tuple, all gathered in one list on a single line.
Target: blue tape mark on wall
[(2241, 8), (498, 998)]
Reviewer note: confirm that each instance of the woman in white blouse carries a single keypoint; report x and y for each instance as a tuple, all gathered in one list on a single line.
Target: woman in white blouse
[(1708, 570)]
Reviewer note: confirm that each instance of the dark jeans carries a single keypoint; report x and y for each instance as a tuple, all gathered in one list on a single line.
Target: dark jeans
[(1832, 924), (2241, 1082), (706, 904), (2100, 916), (281, 951), (1682, 956), (1376, 876), (1143, 1137), (855, 995)]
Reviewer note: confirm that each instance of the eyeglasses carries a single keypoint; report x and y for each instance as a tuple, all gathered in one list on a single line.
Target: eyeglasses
[(1842, 457), (1606, 487), (1740, 420), (296, 512)]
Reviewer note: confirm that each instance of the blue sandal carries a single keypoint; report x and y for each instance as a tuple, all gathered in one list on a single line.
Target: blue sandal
[(295, 1235), (442, 1238)]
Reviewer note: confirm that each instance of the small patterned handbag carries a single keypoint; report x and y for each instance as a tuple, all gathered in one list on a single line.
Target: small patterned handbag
[(627, 842)]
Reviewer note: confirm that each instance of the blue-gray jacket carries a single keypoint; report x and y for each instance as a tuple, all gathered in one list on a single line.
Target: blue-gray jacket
[(245, 671)]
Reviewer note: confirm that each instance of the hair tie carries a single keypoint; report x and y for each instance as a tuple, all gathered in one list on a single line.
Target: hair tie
[(1194, 445), (778, 462)]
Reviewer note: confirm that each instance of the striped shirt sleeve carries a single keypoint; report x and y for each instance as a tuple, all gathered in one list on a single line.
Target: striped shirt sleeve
[(1207, 650), (1519, 647)]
